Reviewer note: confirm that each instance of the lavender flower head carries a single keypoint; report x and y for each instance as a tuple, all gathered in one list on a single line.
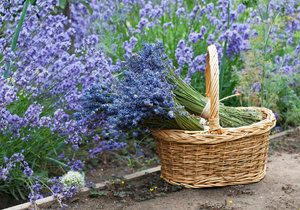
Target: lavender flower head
[(144, 92), (140, 94)]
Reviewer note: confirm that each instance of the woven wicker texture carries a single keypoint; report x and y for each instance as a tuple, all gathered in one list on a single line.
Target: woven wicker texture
[(220, 156)]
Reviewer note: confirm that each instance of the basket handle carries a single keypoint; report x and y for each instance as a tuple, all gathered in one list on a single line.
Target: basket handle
[(212, 88)]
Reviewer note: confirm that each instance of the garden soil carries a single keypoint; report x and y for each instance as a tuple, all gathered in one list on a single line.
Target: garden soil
[(280, 189)]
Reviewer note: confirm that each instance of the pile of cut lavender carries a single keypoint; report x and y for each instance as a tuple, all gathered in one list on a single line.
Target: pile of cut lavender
[(148, 94)]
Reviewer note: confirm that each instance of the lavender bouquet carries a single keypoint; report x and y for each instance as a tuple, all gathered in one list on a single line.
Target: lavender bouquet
[(140, 96), (148, 93)]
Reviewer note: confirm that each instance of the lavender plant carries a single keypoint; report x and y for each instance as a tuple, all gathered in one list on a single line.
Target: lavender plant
[(271, 74), (186, 28), (48, 71)]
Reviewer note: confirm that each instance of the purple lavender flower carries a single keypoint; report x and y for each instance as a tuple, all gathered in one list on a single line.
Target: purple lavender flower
[(104, 146), (129, 46), (76, 165), (156, 12), (193, 37), (167, 25), (194, 12), (198, 64), (210, 7), (34, 197), (241, 8), (70, 192), (8, 92), (184, 54), (3, 173), (28, 171), (287, 69), (210, 39), (142, 93), (145, 11), (142, 24), (256, 87), (180, 11)]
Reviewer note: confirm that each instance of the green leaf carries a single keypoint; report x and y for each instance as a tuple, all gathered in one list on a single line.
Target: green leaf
[(57, 162), (62, 3), (21, 193), (88, 7), (16, 36)]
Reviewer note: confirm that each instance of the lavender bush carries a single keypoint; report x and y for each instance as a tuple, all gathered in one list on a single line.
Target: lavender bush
[(41, 82), (272, 68), (186, 28)]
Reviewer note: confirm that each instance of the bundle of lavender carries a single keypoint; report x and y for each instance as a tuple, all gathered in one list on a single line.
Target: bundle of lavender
[(149, 94), (141, 96)]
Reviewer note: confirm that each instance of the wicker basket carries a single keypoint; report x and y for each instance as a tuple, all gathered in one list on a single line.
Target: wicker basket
[(220, 156)]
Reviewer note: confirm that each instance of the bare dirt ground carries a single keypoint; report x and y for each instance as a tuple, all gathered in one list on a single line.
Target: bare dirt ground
[(280, 189)]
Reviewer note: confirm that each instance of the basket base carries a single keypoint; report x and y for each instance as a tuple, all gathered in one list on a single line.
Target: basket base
[(221, 182)]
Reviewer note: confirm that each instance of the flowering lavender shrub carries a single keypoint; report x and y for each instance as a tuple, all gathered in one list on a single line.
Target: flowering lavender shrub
[(186, 28), (41, 82), (271, 74)]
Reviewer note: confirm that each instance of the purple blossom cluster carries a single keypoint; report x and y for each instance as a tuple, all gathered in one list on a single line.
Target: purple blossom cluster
[(47, 67), (17, 160), (97, 107), (59, 190), (277, 60), (142, 93), (51, 67), (282, 36), (195, 37), (129, 46), (184, 54), (104, 146), (217, 23), (35, 193), (7, 92), (76, 165)]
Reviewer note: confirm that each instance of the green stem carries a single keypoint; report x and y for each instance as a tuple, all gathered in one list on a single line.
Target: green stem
[(223, 61), (19, 26), (194, 102), (266, 32), (16, 35), (65, 166)]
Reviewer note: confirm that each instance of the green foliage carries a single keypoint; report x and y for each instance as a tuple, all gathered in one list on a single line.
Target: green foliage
[(43, 145), (62, 3), (279, 89), (250, 3)]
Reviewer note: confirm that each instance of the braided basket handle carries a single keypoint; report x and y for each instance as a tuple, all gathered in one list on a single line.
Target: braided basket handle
[(212, 88)]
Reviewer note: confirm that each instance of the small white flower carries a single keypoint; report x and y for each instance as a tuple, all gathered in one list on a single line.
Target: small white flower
[(73, 178), (203, 121)]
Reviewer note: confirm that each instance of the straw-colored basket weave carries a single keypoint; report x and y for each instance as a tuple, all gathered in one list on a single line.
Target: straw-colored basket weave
[(219, 156)]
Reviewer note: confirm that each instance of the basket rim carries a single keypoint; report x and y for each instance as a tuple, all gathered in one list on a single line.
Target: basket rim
[(229, 134)]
